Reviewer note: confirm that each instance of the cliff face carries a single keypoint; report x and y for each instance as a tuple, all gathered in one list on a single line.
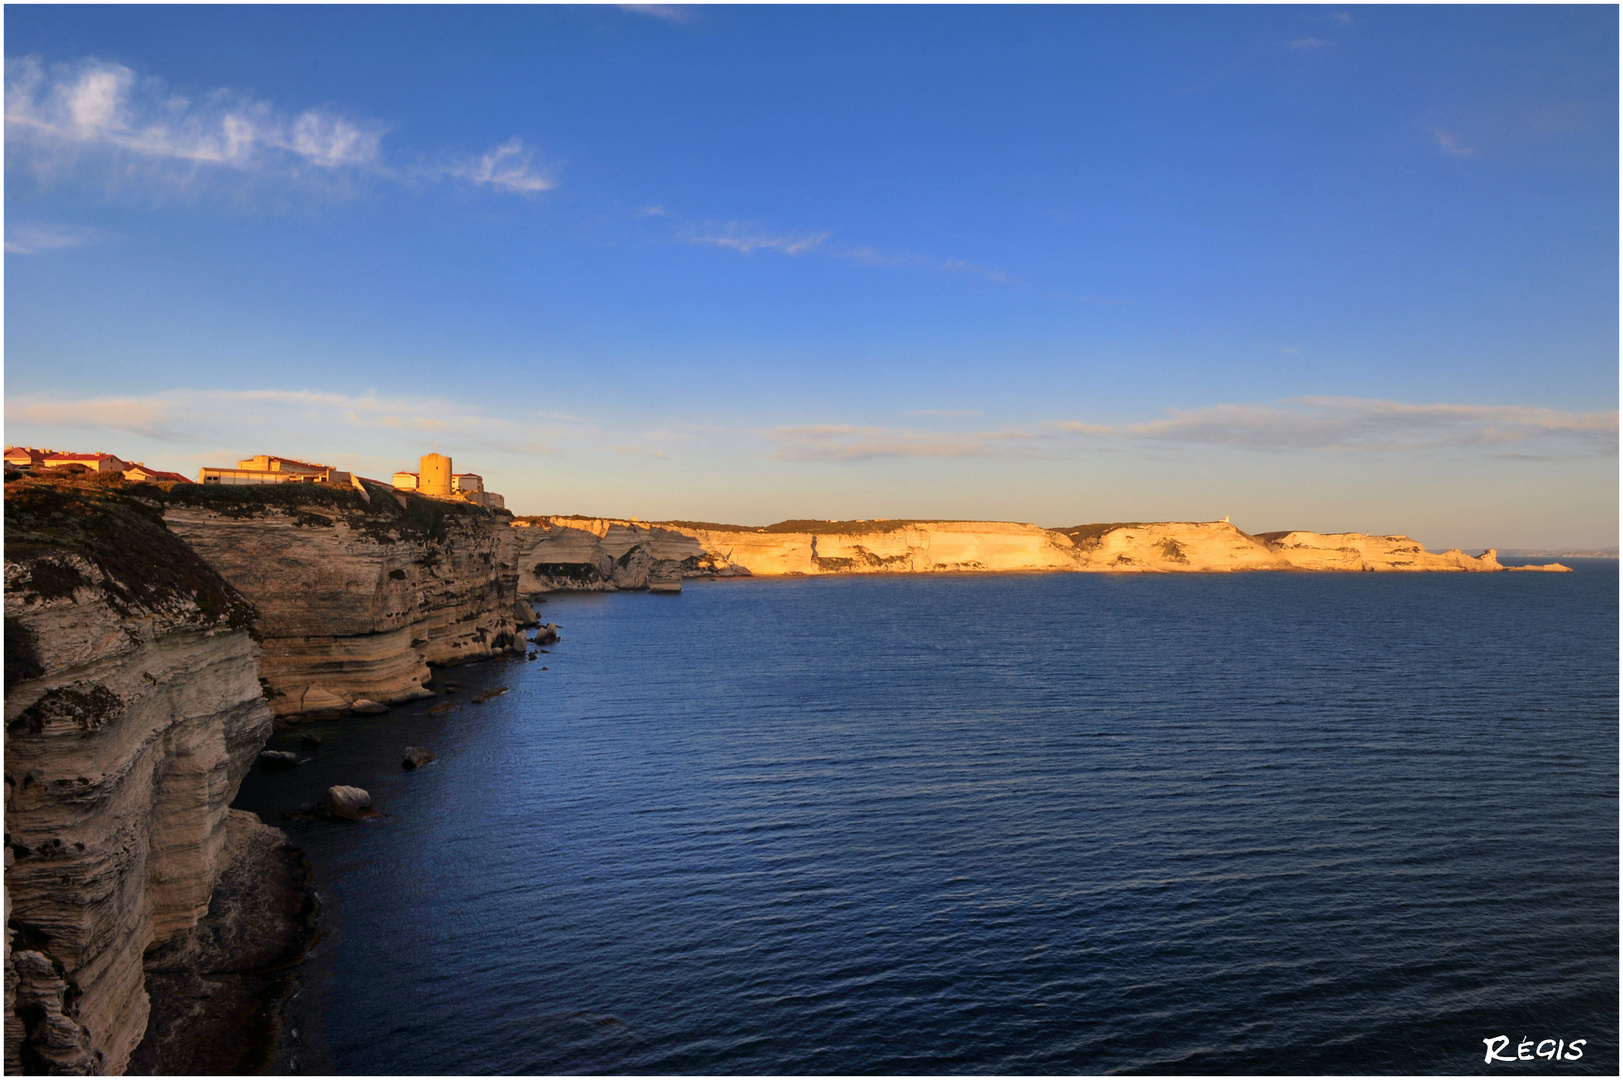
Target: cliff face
[(357, 592), (1359, 551), (913, 547), (574, 553), (1172, 547), (594, 554), (132, 709)]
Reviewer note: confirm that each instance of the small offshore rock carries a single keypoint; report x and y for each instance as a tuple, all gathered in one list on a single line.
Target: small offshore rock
[(277, 760), (445, 708), (310, 742), (350, 803), (485, 695), (431, 684), (416, 757), (533, 654), (547, 634), (367, 707)]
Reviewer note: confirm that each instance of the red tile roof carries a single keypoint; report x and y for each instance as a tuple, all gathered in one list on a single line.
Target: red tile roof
[(81, 457)]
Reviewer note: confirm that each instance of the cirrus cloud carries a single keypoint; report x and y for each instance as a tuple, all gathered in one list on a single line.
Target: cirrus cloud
[(1305, 424), (99, 123)]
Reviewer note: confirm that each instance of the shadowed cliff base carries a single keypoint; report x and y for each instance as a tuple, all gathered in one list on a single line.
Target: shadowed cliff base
[(217, 990)]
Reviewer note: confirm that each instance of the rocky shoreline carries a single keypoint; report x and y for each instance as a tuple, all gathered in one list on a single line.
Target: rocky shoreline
[(155, 637), (218, 989)]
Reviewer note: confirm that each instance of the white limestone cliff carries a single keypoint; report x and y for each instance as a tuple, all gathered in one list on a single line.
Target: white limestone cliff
[(574, 553), (356, 598), (132, 709)]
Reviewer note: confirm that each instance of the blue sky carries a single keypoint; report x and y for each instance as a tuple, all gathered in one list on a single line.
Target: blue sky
[(1310, 267)]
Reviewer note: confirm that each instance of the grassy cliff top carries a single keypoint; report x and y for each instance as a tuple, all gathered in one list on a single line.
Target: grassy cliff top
[(1086, 535), (109, 524), (387, 515), (796, 525)]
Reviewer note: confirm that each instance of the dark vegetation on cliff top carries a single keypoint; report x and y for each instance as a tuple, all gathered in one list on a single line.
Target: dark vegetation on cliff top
[(796, 525), (1090, 535), (1081, 535), (109, 524), (389, 517)]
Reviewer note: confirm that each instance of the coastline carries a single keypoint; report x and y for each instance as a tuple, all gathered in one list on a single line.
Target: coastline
[(163, 635)]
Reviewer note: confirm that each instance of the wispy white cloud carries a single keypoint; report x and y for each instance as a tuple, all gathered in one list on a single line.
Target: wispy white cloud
[(146, 417), (747, 239), (509, 167), (96, 122), (653, 211), (1451, 143), (35, 239), (944, 412), (676, 13), (959, 266), (93, 106), (1367, 424), (1308, 424), (1310, 43), (209, 416)]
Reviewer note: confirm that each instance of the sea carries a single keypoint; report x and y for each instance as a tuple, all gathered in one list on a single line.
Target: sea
[(1024, 824)]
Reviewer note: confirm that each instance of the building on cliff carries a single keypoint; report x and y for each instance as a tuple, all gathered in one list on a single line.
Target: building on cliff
[(96, 463), (27, 457), (269, 469), (140, 473), (436, 479)]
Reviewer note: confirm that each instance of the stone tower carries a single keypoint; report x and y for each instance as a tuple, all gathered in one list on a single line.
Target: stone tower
[(434, 475)]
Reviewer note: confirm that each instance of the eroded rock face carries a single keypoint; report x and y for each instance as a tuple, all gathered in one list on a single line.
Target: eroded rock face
[(356, 595), (595, 554), (133, 710), (1361, 551)]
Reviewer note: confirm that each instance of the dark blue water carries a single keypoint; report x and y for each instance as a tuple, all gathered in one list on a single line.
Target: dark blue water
[(1013, 824)]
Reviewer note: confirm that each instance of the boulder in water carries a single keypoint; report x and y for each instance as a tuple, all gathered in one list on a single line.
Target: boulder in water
[(367, 707), (349, 803), (277, 760), (416, 757)]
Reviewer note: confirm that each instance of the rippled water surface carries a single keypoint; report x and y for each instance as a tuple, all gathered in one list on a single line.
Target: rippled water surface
[(1033, 824)]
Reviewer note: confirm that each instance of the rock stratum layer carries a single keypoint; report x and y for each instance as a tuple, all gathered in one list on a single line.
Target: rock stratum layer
[(357, 592), (557, 554), (133, 708), (574, 553)]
